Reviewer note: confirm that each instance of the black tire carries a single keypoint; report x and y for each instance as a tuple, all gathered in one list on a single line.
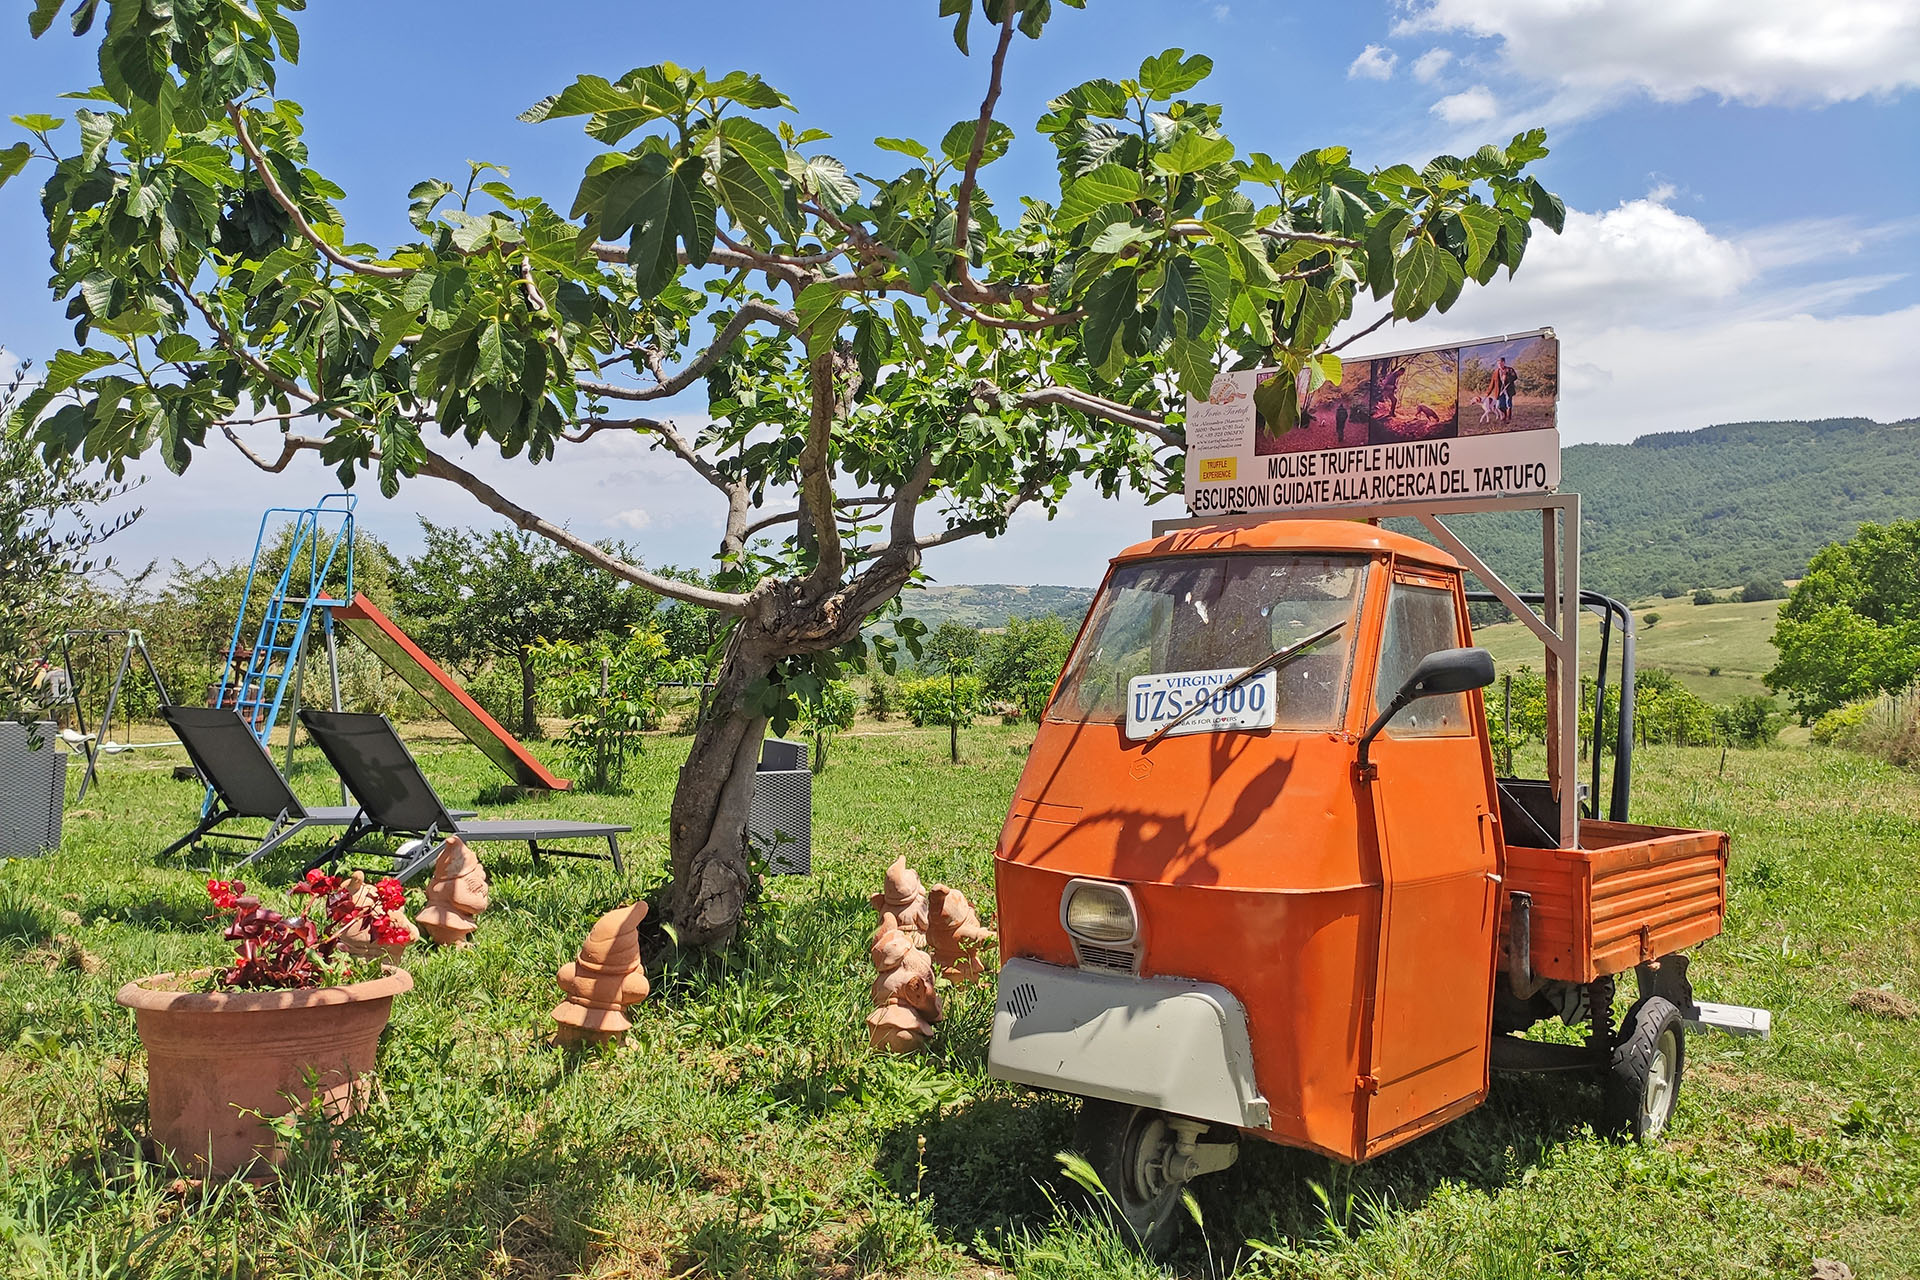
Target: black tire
[(1643, 1079), (1122, 1144)]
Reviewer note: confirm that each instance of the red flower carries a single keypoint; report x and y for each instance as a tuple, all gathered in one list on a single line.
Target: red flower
[(392, 896), (389, 932), (318, 883), (225, 893)]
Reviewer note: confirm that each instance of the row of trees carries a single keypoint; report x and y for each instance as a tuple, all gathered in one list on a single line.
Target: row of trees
[(1665, 712)]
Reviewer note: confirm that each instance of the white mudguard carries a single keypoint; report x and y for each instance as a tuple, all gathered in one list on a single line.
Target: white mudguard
[(1168, 1043)]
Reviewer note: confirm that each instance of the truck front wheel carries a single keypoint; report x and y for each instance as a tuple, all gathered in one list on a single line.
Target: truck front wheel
[(1643, 1079), (1136, 1152)]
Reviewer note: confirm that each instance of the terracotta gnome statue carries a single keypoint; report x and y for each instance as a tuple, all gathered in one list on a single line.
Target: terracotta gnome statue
[(602, 980), (456, 894), (905, 899), (906, 1005), (358, 938), (957, 936)]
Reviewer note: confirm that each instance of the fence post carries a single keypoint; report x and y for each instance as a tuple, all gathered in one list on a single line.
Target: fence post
[(1506, 721)]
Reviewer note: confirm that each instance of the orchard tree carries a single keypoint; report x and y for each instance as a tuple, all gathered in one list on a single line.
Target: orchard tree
[(501, 593), (894, 361), (48, 532), (1851, 629)]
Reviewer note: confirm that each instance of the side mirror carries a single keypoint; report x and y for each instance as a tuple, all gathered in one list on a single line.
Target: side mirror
[(1445, 671)]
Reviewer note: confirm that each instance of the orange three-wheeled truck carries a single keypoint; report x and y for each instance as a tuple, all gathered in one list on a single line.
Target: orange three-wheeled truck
[(1260, 877)]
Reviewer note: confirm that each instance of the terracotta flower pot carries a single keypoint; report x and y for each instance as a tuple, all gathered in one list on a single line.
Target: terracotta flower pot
[(214, 1058)]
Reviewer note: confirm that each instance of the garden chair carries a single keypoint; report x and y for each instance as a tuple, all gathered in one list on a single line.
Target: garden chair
[(397, 800), (244, 782)]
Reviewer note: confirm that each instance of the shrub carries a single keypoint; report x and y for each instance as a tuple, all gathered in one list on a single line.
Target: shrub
[(883, 699), (1841, 726), (825, 715), (1649, 619), (1672, 591), (1749, 721), (607, 723), (1020, 665), (1704, 596), (1760, 589), (933, 701)]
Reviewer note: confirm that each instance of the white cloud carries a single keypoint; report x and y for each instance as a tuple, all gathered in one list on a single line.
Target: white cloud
[(1467, 106), (1666, 325), (635, 518), (1748, 51), (1428, 66), (1220, 12), (1374, 63)]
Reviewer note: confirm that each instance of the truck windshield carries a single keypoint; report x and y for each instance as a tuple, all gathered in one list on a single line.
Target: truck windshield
[(1208, 613)]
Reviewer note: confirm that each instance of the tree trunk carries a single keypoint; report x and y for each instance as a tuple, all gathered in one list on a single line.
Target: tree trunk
[(529, 721), (707, 829)]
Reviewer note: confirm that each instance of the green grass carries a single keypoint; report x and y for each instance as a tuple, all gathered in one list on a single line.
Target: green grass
[(745, 1130), (1719, 651)]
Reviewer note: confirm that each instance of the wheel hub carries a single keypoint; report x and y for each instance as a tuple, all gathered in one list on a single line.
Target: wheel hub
[(1658, 1096)]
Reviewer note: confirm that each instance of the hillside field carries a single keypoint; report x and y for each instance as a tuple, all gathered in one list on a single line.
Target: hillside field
[(745, 1130), (1719, 651)]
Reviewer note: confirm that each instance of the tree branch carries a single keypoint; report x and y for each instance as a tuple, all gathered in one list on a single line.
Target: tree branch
[(980, 524), (839, 504), (292, 210), (1356, 337), (442, 468), (906, 502), (1047, 320), (963, 198), (816, 487), (734, 259), (749, 313), (669, 435), (1093, 406)]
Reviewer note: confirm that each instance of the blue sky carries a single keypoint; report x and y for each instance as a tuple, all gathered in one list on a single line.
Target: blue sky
[(1741, 173)]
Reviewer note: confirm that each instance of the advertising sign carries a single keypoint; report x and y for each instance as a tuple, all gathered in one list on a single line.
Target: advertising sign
[(1477, 420)]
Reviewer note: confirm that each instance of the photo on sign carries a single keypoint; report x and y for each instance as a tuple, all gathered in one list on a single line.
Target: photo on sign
[(1412, 397), (1332, 416), (1510, 385)]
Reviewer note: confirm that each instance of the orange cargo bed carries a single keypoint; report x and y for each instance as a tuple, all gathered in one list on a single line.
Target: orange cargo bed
[(1630, 894)]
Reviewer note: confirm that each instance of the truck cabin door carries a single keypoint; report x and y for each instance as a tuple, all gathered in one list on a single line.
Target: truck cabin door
[(1434, 985)]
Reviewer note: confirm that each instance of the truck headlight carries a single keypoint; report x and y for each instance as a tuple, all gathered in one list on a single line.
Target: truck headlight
[(1099, 912)]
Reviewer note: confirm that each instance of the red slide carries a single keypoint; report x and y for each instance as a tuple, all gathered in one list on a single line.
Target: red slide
[(423, 675)]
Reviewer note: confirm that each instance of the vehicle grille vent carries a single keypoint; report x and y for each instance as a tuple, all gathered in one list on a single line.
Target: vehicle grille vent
[(1023, 999), (1111, 959)]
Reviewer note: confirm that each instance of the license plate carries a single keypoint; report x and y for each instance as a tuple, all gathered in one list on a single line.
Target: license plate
[(1155, 700)]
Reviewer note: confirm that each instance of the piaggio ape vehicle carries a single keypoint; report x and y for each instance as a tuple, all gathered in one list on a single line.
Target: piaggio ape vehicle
[(1260, 877)]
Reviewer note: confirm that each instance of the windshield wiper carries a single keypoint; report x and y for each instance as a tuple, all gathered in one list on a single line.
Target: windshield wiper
[(1273, 660)]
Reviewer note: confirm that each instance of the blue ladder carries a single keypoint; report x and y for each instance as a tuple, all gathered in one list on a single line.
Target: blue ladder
[(322, 536)]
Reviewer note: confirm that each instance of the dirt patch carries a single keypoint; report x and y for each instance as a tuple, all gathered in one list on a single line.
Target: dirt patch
[(1882, 1003)]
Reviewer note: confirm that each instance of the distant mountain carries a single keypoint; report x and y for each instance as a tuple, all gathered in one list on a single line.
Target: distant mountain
[(1716, 507), (991, 604)]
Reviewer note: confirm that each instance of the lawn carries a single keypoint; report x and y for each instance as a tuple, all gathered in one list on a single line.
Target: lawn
[(1719, 651), (744, 1129)]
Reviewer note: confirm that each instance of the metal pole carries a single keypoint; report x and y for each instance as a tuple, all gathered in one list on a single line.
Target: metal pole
[(293, 715), (106, 718), (333, 662)]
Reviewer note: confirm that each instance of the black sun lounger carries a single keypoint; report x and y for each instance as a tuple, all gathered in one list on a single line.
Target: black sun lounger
[(245, 784), (397, 800)]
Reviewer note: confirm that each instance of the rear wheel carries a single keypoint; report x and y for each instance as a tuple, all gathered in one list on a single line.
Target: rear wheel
[(1131, 1149), (1643, 1079)]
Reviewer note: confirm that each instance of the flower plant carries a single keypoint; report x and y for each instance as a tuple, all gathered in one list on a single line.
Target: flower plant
[(279, 952)]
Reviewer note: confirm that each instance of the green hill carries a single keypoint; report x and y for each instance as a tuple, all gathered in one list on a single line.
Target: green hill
[(991, 604), (1716, 507), (1719, 651)]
